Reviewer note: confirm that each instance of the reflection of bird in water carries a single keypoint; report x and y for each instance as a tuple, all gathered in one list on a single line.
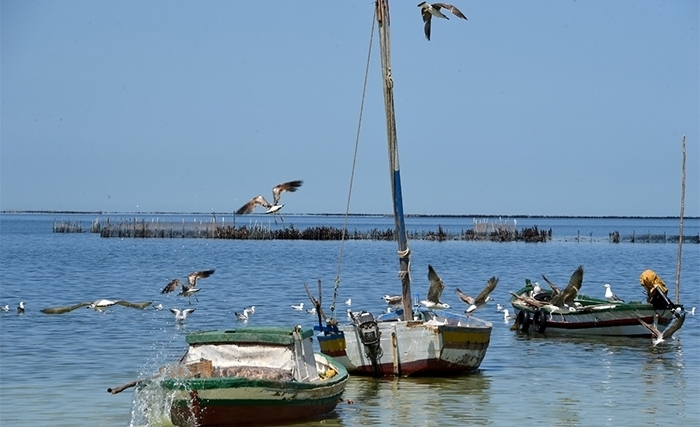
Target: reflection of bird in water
[(277, 191), (481, 299), (609, 295), (658, 336), (434, 290), (428, 10), (180, 316)]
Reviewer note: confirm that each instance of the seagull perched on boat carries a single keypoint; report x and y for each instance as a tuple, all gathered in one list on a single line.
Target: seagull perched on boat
[(277, 191), (657, 337), (536, 289), (20, 307), (609, 295), (481, 299), (428, 10), (555, 289), (180, 316), (566, 297), (393, 299), (434, 290), (298, 307)]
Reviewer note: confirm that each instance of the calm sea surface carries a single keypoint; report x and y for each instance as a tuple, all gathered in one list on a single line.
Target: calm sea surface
[(54, 370)]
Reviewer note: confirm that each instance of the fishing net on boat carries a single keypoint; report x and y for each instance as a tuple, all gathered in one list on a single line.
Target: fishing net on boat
[(656, 290)]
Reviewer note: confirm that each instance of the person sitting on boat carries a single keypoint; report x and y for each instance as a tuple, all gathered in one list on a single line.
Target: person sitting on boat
[(656, 290)]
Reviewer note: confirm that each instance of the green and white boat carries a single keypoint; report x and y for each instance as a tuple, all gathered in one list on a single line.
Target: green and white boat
[(255, 375)]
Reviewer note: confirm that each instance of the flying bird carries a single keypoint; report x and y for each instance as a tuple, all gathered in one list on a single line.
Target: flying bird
[(555, 289), (428, 10), (180, 316), (189, 292), (657, 337), (434, 290), (170, 287), (277, 191), (481, 299), (609, 295), (392, 299), (101, 304), (566, 297)]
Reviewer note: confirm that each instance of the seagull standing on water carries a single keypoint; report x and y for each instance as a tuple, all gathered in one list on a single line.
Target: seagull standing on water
[(609, 295), (434, 290), (277, 191), (481, 299), (428, 10), (507, 315), (180, 316), (298, 307)]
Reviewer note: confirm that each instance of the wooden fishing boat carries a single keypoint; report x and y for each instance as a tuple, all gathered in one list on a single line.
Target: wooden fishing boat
[(585, 315), (257, 375), (408, 342)]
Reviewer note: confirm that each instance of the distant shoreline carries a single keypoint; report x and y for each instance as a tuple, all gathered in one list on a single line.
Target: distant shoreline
[(25, 212)]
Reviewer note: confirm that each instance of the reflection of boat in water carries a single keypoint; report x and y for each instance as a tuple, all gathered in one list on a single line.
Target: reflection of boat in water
[(406, 342), (251, 376), (552, 312)]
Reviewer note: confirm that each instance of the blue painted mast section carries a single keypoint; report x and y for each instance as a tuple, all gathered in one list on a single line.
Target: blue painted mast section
[(404, 252)]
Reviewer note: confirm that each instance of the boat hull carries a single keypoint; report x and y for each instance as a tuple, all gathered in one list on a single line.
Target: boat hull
[(589, 317), (415, 348), (239, 401)]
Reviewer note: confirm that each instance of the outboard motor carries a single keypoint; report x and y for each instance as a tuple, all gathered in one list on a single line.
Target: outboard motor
[(369, 335)]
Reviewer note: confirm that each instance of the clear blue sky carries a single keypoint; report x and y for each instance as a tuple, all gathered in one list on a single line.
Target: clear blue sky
[(545, 108)]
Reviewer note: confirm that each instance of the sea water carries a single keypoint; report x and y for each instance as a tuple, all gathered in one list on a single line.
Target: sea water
[(55, 369)]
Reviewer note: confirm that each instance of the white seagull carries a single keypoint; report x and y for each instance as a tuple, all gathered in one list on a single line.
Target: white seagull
[(158, 307), (250, 310), (180, 316), (312, 310), (609, 295), (298, 307), (499, 307), (101, 304), (428, 10), (692, 311), (277, 191), (481, 299), (20, 307), (393, 299), (348, 301), (507, 315), (434, 290), (5, 307)]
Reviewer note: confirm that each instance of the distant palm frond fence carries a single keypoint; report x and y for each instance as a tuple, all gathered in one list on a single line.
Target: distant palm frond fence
[(483, 230)]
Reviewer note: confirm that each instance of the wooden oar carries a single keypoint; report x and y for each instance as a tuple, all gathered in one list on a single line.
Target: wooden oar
[(123, 387)]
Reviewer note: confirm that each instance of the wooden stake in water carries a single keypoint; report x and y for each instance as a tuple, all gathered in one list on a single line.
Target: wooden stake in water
[(680, 232)]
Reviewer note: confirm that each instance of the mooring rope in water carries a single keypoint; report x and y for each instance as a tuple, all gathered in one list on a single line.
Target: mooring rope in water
[(352, 170)]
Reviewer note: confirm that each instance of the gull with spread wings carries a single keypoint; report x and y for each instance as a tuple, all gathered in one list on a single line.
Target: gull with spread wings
[(566, 297), (481, 299), (429, 10), (658, 336), (277, 191), (435, 290), (191, 281)]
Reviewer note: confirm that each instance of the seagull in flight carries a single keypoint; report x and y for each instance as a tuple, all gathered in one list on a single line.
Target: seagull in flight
[(277, 191), (609, 295), (434, 290), (180, 316), (191, 280), (657, 337), (101, 304), (481, 299), (566, 297), (392, 299), (189, 292), (428, 10)]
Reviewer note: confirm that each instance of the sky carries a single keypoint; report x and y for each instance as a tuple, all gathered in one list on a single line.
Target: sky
[(573, 108)]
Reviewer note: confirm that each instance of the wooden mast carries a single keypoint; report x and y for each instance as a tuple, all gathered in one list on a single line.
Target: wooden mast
[(404, 252)]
